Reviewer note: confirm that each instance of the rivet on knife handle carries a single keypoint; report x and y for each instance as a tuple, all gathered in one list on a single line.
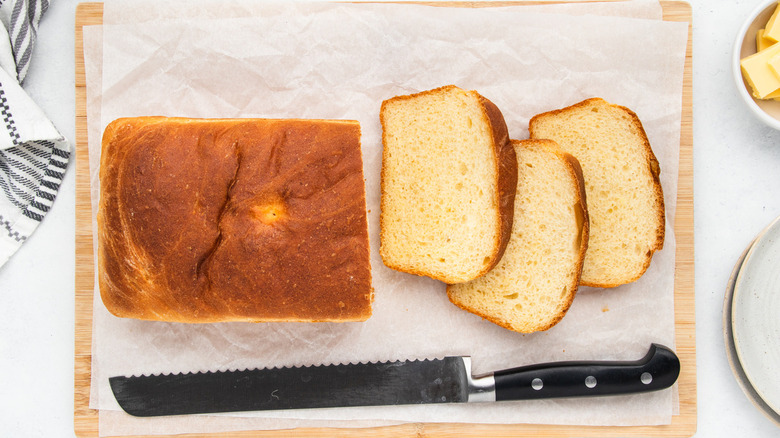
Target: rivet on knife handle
[(659, 369)]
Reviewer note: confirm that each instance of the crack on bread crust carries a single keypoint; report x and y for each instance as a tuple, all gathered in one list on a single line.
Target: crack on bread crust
[(202, 266)]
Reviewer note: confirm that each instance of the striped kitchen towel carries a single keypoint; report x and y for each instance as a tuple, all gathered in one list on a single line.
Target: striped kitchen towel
[(33, 154)]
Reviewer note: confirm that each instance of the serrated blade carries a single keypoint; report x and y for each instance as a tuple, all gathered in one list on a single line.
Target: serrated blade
[(325, 386)]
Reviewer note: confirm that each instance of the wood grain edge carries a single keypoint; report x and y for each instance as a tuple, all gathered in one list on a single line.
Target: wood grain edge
[(85, 421), (684, 302), (683, 425)]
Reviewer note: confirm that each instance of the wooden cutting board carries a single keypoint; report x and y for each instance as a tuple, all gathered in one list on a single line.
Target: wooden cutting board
[(682, 425)]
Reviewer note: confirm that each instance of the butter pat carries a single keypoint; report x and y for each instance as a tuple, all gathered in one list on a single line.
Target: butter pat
[(761, 41), (774, 65), (758, 74), (772, 30)]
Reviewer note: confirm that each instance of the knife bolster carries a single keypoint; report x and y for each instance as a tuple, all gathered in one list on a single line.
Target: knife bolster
[(481, 388)]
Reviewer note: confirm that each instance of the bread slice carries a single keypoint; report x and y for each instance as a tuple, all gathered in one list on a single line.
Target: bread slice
[(534, 284), (625, 199), (448, 182)]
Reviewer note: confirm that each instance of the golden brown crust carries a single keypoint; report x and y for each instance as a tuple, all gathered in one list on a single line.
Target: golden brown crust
[(506, 171), (485, 316), (506, 182), (206, 220), (655, 171)]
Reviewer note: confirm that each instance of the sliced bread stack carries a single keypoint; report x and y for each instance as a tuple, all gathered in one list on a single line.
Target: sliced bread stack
[(625, 200), (448, 184), (506, 224), (534, 284)]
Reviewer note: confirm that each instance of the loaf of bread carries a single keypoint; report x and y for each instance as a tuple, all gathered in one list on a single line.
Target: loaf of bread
[(533, 285), (625, 200), (208, 220), (448, 182)]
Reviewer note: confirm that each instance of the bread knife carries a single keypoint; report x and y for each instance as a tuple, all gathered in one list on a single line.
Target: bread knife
[(446, 380)]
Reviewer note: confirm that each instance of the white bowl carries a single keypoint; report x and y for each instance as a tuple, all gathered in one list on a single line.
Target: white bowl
[(768, 111)]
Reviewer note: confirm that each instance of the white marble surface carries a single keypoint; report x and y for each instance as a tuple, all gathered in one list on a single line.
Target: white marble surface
[(737, 183)]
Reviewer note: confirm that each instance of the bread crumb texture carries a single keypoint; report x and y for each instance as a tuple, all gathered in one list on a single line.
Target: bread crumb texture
[(534, 283), (441, 207), (625, 199)]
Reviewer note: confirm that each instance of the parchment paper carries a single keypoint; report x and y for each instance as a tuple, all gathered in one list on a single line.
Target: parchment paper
[(340, 61)]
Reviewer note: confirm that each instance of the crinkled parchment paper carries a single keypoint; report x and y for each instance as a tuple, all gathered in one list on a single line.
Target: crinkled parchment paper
[(327, 60)]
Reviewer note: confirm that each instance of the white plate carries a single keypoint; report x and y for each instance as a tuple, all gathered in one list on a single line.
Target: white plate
[(755, 316), (731, 352)]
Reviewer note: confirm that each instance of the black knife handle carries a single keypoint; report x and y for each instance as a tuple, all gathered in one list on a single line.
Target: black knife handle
[(657, 370)]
